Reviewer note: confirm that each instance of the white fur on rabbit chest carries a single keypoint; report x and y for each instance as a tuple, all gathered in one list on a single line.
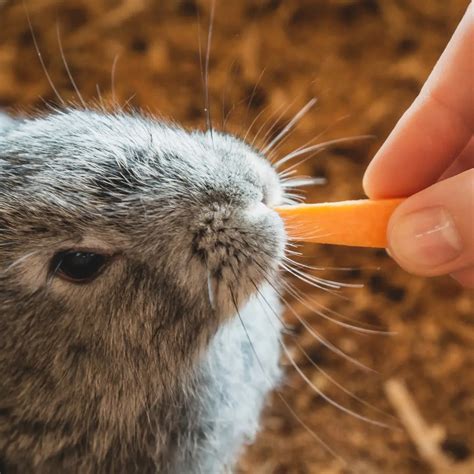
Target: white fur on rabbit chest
[(236, 379)]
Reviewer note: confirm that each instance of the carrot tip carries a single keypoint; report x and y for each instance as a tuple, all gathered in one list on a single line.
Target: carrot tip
[(358, 223)]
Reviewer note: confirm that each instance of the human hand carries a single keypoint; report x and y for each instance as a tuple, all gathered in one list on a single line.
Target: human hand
[(429, 156)]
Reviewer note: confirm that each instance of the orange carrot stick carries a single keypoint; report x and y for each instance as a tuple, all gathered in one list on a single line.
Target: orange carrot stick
[(360, 223)]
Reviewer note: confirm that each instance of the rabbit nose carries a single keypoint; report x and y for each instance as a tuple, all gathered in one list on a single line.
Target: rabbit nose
[(258, 209)]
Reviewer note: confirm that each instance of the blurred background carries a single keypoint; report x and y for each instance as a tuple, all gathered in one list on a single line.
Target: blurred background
[(365, 61)]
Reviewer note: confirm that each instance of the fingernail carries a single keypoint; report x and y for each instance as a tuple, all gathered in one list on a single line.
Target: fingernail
[(427, 238)]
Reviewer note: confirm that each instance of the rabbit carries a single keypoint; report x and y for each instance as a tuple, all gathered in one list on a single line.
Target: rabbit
[(140, 327)]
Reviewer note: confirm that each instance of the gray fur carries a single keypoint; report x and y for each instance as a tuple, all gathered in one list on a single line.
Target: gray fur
[(6, 122), (147, 368)]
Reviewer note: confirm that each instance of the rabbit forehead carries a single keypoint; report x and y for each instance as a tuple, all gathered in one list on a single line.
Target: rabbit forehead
[(81, 153)]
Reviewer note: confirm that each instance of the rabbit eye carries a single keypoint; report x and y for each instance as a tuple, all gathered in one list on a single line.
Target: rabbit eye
[(77, 266)]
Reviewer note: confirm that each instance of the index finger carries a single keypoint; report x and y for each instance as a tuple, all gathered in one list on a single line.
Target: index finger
[(436, 127)]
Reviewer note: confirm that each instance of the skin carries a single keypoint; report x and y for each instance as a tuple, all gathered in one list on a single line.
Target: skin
[(429, 156)]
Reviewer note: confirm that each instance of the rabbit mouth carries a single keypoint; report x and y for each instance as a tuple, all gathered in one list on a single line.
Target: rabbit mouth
[(240, 250)]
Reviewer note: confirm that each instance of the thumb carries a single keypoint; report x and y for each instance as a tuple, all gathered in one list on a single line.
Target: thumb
[(432, 232)]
